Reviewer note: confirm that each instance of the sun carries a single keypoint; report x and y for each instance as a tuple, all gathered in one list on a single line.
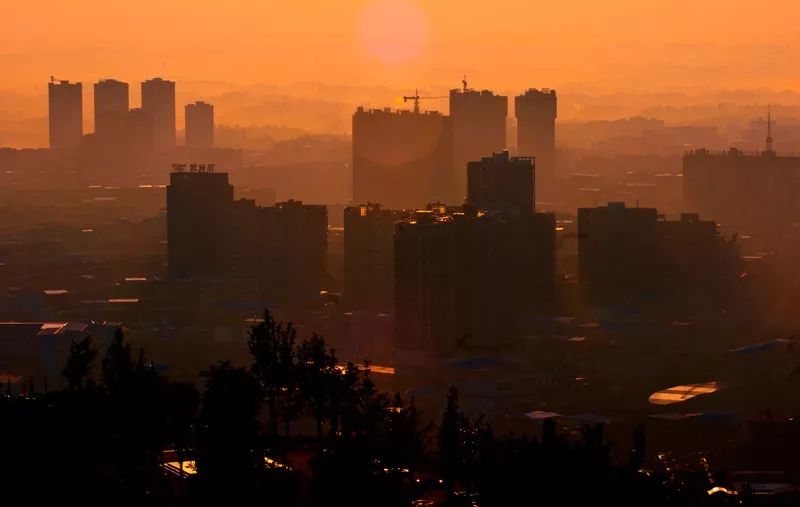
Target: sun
[(393, 31)]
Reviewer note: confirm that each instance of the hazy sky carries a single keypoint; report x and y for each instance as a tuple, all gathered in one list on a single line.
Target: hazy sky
[(261, 62), (607, 44)]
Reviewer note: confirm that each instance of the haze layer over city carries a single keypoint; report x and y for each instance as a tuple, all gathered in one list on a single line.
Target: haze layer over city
[(399, 252)]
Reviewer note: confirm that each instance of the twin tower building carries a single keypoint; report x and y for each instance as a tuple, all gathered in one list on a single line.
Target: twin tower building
[(403, 159)]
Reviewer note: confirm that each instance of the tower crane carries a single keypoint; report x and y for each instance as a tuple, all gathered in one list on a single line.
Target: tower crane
[(416, 98), (769, 129)]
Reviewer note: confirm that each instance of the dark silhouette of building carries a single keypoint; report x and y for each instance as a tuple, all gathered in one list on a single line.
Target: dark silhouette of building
[(199, 218), (468, 280), (65, 114), (743, 192), (199, 125), (282, 248), (633, 256), (617, 248), (536, 112), (479, 128), (125, 139), (369, 256), (158, 101), (110, 102), (502, 183), (295, 237), (139, 133), (401, 159)]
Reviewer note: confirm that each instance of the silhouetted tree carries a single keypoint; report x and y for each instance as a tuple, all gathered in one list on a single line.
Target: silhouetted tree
[(79, 364), (449, 441), (405, 436), (272, 346), (118, 364), (317, 374), (228, 457), (345, 409)]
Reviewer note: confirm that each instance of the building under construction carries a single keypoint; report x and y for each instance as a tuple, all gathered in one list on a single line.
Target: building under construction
[(401, 159)]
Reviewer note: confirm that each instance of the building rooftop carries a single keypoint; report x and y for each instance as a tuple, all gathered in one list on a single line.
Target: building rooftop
[(387, 111)]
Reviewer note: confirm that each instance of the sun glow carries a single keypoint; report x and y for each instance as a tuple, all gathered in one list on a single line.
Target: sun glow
[(393, 31)]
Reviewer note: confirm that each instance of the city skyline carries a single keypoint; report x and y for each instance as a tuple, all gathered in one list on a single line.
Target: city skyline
[(259, 54), (400, 253)]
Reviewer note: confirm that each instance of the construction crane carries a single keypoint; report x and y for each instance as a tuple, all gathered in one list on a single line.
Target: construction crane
[(769, 129), (416, 98)]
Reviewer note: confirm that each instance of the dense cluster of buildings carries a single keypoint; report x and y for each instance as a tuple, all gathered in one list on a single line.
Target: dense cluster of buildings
[(147, 128), (404, 158), (209, 235), (744, 192), (442, 235), (137, 142), (469, 277), (636, 257)]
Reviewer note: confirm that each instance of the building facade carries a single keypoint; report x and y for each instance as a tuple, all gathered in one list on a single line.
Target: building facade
[(199, 125), (110, 101), (479, 129), (65, 114), (536, 112), (744, 193), (369, 257), (401, 159), (498, 182), (294, 246), (634, 257), (468, 281), (199, 224), (158, 101)]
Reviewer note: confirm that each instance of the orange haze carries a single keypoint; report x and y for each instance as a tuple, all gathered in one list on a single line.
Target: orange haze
[(208, 46)]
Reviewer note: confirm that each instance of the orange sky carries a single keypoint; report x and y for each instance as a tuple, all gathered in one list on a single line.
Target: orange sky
[(655, 44), (606, 58)]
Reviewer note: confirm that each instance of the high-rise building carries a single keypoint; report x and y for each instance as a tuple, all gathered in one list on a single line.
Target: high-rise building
[(158, 101), (479, 129), (369, 256), (467, 280), (634, 257), (65, 114), (502, 183), (139, 133), (110, 101), (283, 247), (401, 159), (536, 112), (295, 239), (617, 248), (743, 192), (199, 218), (199, 125)]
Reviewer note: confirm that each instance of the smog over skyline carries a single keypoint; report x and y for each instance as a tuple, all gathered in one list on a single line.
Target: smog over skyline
[(413, 253), (621, 60)]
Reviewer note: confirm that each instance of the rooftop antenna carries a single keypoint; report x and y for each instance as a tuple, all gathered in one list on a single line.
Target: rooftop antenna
[(769, 129)]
